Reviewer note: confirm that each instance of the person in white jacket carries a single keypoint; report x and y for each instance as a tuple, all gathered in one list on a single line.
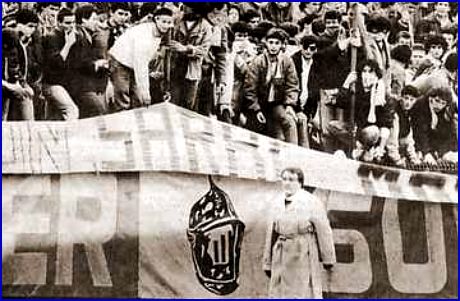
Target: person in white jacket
[(130, 57)]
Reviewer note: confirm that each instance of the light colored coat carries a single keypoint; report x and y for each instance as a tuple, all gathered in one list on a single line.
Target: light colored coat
[(297, 238)]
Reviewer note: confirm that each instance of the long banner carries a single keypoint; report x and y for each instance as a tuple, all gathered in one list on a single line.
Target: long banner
[(130, 235), (169, 138)]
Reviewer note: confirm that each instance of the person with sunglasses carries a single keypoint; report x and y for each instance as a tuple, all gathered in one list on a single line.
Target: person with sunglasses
[(307, 101), (299, 242)]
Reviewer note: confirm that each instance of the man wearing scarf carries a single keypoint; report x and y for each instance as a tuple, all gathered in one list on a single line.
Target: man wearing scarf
[(271, 90)]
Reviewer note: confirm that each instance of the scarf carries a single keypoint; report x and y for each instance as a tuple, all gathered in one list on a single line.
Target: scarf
[(377, 99)]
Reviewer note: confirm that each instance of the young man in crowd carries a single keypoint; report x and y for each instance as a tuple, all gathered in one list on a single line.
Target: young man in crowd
[(271, 90), (191, 42), (309, 94), (215, 64), (118, 22), (401, 146), (21, 69), (59, 55), (47, 13), (89, 81), (130, 58), (241, 55), (434, 125)]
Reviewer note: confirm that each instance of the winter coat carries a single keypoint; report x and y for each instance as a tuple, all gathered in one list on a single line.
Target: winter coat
[(298, 238), (441, 139), (257, 88), (198, 40)]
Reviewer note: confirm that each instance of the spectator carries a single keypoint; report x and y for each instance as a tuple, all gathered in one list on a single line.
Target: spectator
[(252, 17), (47, 12), (215, 63), (192, 40), (309, 94), (130, 57), (59, 55), (120, 15), (400, 60), (435, 48), (271, 90), (242, 54), (377, 47), (435, 134), (89, 81), (373, 114), (19, 68), (278, 12), (401, 145)]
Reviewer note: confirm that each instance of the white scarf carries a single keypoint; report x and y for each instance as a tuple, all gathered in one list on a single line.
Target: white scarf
[(377, 99)]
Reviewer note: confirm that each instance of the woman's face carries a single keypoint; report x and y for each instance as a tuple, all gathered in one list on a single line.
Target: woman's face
[(290, 183)]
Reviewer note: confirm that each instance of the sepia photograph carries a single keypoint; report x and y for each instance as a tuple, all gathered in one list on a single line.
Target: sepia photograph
[(222, 150)]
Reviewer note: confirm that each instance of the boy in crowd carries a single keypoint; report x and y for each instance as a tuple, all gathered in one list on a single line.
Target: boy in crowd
[(271, 90), (130, 59), (20, 68)]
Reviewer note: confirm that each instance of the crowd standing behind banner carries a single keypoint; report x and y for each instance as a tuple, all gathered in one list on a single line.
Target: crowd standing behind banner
[(372, 81)]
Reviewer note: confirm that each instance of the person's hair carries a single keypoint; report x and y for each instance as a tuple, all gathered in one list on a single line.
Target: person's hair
[(216, 5), (147, 8), (410, 91), (251, 13), (114, 6), (403, 34), (402, 53), (24, 16), (84, 12), (372, 64), (435, 40), (277, 33), (307, 20), (290, 28), (64, 12), (333, 14), (318, 27), (240, 26), (233, 6), (303, 5), (379, 23), (42, 5), (296, 171), (308, 40), (451, 63), (163, 12), (260, 31), (442, 92)]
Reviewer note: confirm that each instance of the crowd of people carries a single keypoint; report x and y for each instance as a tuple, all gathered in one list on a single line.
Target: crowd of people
[(370, 81)]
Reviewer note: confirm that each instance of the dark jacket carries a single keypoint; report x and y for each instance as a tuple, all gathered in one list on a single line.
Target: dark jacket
[(256, 87), (57, 71), (272, 12), (21, 63), (384, 114), (427, 140), (313, 88), (90, 47)]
